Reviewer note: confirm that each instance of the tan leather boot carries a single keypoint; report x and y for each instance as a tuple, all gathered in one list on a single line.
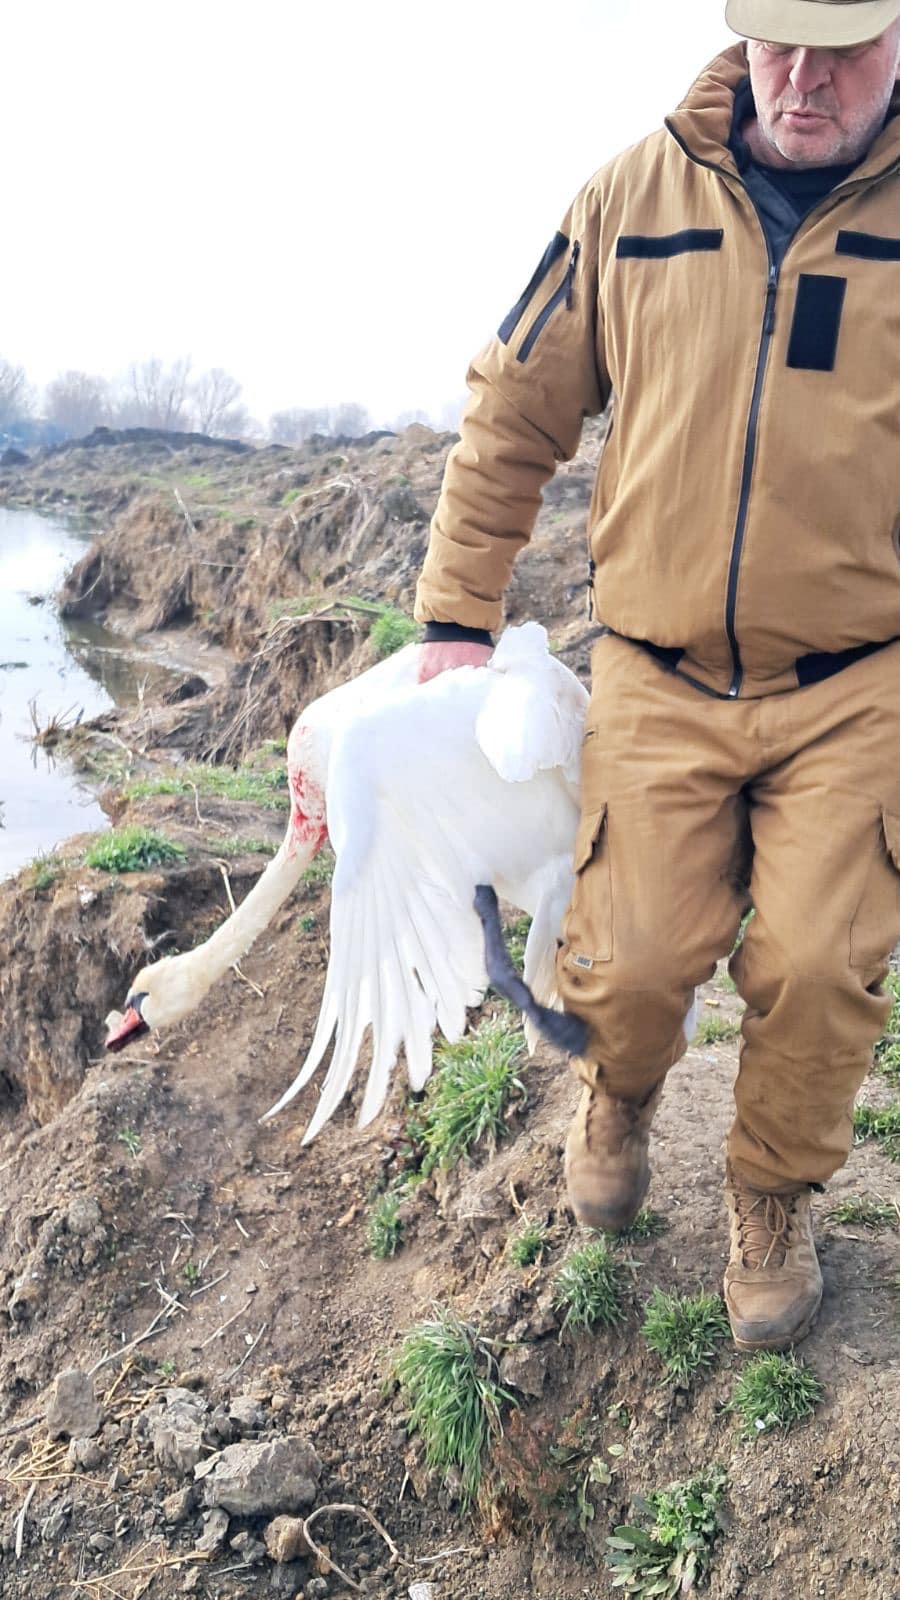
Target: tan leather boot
[(607, 1167), (773, 1284)]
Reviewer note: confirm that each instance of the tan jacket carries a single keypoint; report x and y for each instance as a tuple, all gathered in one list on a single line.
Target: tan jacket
[(747, 505)]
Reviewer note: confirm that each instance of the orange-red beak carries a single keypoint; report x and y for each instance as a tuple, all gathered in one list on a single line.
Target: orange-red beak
[(125, 1026)]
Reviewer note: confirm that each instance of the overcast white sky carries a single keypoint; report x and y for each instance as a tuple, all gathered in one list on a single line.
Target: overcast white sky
[(334, 200)]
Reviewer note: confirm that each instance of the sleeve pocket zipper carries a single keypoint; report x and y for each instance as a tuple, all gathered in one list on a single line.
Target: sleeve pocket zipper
[(563, 293)]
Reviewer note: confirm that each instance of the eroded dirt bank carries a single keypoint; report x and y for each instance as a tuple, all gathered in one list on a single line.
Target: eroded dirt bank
[(139, 1195)]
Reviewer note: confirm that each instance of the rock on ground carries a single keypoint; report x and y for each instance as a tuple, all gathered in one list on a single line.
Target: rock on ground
[(251, 1480)]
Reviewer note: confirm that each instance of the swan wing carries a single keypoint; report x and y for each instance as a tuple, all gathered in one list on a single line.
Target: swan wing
[(406, 951), (533, 717), (419, 813)]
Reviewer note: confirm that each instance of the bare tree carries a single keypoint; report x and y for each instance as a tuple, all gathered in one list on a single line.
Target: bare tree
[(350, 419), (15, 400), (405, 419), (156, 395), (214, 396), (77, 402), (296, 424)]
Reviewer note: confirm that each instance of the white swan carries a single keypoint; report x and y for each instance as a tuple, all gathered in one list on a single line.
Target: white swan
[(429, 791)]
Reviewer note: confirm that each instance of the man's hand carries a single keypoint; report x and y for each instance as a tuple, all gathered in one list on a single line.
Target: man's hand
[(441, 657)]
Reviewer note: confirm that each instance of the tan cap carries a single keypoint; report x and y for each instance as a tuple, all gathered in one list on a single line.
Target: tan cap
[(812, 22)]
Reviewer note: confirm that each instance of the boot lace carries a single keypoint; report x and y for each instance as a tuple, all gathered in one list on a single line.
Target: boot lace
[(764, 1226)]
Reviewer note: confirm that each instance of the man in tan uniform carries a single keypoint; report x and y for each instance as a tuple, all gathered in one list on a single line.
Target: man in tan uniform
[(734, 281)]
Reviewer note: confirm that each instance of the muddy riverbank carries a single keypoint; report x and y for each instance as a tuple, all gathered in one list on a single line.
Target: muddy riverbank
[(142, 1201)]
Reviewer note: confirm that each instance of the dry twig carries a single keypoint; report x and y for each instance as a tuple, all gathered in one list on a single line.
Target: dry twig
[(249, 1352), (20, 1519), (235, 965), (139, 1566), (220, 1330)]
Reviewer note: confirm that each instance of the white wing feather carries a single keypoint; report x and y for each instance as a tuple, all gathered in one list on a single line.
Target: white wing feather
[(430, 792)]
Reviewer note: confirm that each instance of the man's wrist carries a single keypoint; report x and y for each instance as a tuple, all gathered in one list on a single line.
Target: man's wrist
[(455, 633)]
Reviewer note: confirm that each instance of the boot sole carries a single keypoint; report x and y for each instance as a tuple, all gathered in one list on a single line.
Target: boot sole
[(750, 1346), (608, 1222)]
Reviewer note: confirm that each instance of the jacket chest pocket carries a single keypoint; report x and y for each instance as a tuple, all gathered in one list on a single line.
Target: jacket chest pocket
[(588, 926), (672, 302)]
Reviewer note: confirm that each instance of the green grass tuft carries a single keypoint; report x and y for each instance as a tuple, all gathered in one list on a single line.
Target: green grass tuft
[(391, 631), (887, 1050), (589, 1288), (716, 1030), (131, 1140), (527, 1246), (648, 1224), (237, 846), (449, 1377), (384, 1228), (686, 1330), (131, 849), (883, 1125), (264, 787), (467, 1096), (774, 1391), (320, 869), (671, 1553), (44, 871), (864, 1212), (515, 936)]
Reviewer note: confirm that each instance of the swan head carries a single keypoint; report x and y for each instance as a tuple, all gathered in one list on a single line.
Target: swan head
[(159, 996)]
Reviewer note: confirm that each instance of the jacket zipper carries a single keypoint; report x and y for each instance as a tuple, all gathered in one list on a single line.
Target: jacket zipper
[(737, 540), (762, 356), (564, 292)]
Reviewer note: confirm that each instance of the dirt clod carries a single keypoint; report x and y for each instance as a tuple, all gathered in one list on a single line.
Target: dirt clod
[(73, 1412), (285, 1539)]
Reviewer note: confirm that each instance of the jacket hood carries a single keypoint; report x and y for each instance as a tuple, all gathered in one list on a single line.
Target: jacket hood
[(702, 122)]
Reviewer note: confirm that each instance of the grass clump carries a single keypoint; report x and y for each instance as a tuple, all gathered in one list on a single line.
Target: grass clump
[(774, 1391), (515, 936), (887, 1050), (467, 1096), (716, 1030), (263, 786), (449, 1378), (648, 1224), (131, 1140), (671, 1554), (238, 846), (865, 1212), (883, 1125), (686, 1330), (384, 1228), (391, 631), (589, 1288), (321, 869), (131, 849), (44, 871), (527, 1246)]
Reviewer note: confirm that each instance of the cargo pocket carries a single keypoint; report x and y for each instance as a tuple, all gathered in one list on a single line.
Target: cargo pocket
[(588, 926), (875, 928)]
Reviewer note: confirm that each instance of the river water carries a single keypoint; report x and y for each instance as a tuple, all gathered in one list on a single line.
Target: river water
[(59, 667)]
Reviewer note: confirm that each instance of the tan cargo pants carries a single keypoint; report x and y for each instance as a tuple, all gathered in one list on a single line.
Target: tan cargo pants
[(694, 807)]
